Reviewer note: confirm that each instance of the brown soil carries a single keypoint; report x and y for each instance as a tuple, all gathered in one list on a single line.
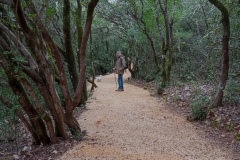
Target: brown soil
[(134, 125)]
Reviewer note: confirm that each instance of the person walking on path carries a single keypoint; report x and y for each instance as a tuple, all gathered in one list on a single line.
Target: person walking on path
[(119, 69)]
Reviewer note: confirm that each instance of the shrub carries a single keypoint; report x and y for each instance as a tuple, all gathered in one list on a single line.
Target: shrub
[(200, 107), (232, 92), (7, 123)]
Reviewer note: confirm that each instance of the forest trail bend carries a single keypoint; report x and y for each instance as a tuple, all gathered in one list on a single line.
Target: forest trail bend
[(133, 125)]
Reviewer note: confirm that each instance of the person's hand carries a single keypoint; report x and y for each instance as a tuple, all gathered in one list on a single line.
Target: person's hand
[(115, 70)]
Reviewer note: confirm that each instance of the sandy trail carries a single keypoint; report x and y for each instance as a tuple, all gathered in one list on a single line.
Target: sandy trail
[(133, 125)]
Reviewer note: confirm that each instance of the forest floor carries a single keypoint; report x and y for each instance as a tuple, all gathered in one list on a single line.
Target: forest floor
[(135, 125)]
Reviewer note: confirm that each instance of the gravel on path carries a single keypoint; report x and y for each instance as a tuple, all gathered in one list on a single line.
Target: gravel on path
[(133, 125)]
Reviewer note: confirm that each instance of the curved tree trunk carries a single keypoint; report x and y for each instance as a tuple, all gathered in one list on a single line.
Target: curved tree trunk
[(42, 54), (63, 79), (46, 80), (45, 116), (35, 119), (82, 76), (225, 49)]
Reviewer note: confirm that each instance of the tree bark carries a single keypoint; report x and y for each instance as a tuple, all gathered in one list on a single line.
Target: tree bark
[(164, 68), (44, 115), (35, 119), (79, 28), (69, 56), (54, 50), (225, 49), (167, 42), (54, 102), (92, 65), (68, 103), (4, 44), (42, 55), (82, 76), (23, 119)]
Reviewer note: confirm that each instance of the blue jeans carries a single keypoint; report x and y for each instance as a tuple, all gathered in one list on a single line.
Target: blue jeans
[(120, 81)]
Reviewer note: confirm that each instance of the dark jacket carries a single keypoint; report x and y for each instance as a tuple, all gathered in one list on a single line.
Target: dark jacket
[(120, 65)]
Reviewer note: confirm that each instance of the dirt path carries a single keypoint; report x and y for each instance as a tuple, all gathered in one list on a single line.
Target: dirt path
[(133, 125)]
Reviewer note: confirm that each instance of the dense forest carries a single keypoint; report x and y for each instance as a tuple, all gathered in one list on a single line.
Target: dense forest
[(50, 51)]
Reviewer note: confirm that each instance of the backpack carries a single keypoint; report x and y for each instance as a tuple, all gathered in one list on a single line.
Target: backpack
[(126, 66), (126, 63)]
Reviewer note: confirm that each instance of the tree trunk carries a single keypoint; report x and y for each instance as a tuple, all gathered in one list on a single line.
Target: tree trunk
[(153, 50), (71, 121), (21, 47), (169, 63), (35, 119), (24, 120), (63, 80), (171, 50), (44, 115), (167, 42), (84, 94), (45, 83), (40, 68), (55, 101), (92, 63), (69, 55), (225, 49), (79, 28), (82, 76), (164, 67), (54, 50)]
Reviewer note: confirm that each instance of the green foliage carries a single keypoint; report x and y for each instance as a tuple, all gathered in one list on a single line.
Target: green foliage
[(150, 77), (102, 64), (50, 11), (8, 118), (200, 107), (232, 92), (7, 122), (197, 45), (230, 127), (238, 137), (216, 123)]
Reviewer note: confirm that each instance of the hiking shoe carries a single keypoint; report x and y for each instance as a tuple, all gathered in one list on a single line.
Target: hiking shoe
[(118, 90)]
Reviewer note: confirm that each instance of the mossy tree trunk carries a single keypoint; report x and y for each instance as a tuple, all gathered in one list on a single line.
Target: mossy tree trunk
[(167, 41), (79, 39), (69, 54)]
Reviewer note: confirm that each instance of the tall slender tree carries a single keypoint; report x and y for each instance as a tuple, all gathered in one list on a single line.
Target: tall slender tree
[(225, 51)]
